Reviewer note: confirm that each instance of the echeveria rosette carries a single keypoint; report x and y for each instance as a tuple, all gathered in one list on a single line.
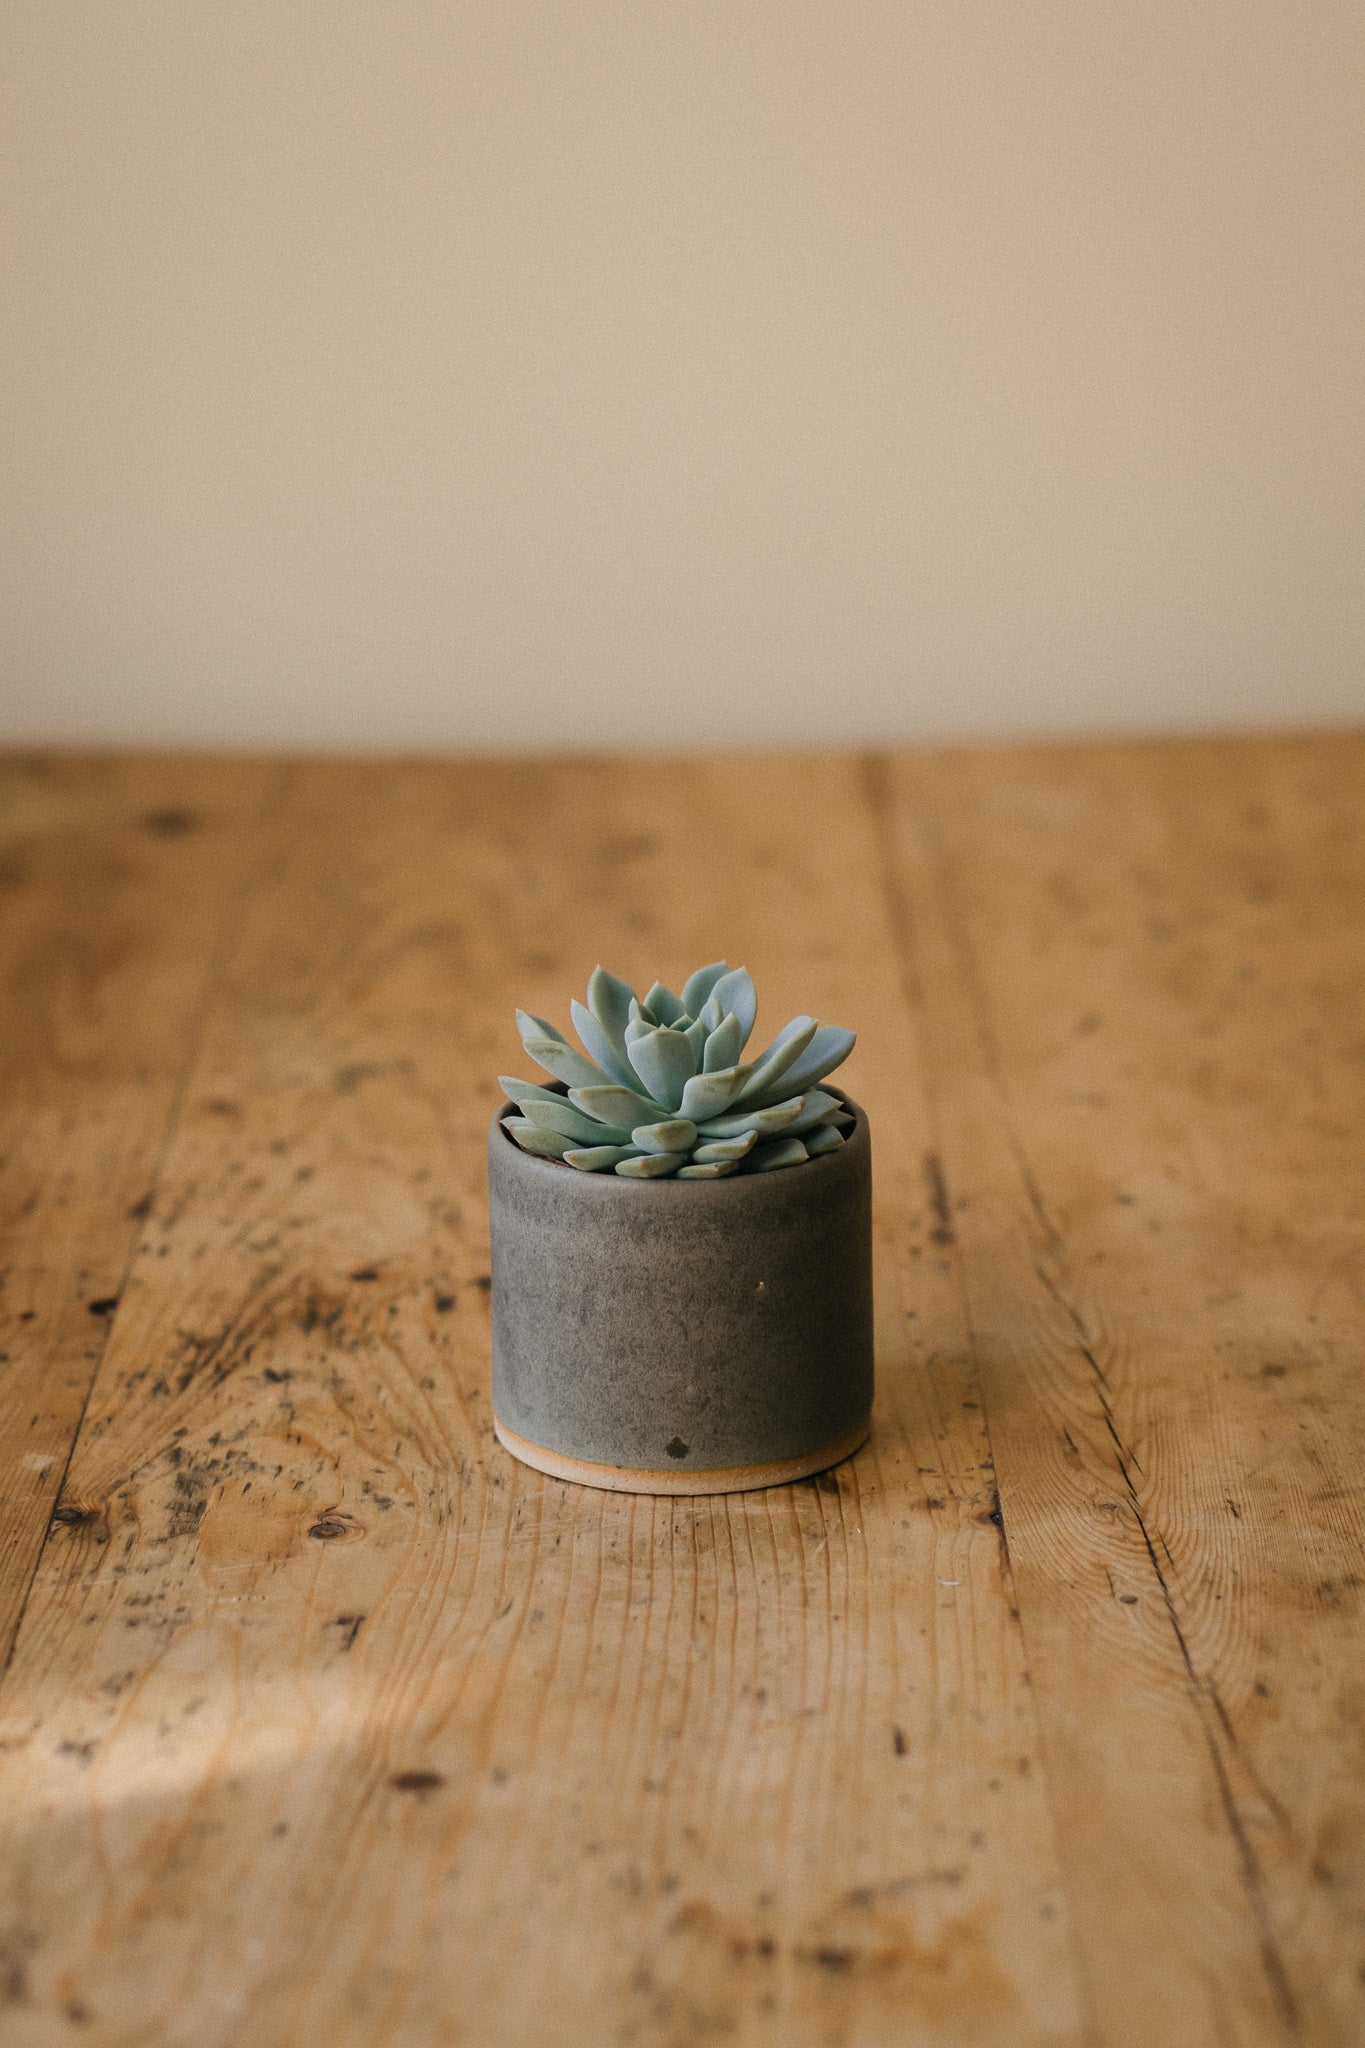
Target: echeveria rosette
[(662, 1087)]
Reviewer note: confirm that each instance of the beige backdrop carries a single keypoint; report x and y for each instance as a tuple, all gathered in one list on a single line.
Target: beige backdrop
[(525, 374)]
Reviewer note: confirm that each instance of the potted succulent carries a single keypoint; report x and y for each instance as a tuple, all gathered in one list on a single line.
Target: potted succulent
[(681, 1245)]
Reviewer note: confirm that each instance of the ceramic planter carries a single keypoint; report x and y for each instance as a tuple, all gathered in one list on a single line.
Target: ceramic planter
[(666, 1336)]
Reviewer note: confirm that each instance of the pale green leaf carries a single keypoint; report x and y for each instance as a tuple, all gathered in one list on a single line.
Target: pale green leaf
[(621, 1107), (662, 1005), (562, 1061), (735, 993), (531, 1138), (610, 1057), (610, 1001), (778, 1152), (677, 1135), (764, 1121), (819, 1108), (598, 1158), (698, 986), (785, 1049), (527, 1091), (710, 1095), (665, 1061), (830, 1046), (725, 1148), (724, 1046), (561, 1115)]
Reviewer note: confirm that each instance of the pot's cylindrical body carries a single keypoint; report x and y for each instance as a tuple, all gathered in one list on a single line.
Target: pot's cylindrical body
[(667, 1336)]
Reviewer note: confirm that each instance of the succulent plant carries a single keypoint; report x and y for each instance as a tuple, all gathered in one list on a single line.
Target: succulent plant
[(663, 1088)]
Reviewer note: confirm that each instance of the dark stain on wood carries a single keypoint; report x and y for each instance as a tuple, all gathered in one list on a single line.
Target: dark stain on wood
[(942, 1232), (91, 1521), (169, 824), (419, 1782), (188, 1503)]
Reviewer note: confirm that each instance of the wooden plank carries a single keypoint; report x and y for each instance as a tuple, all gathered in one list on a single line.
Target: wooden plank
[(1139, 969), (116, 878), (327, 1722)]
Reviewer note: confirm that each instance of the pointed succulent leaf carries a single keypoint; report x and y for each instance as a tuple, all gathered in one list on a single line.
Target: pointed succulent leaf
[(765, 1122), (829, 1047), (778, 1152), (560, 1115), (650, 1165), (663, 1006), (819, 1107), (612, 1005), (610, 1057), (698, 986), (662, 1087), (531, 1138), (529, 1026), (621, 1108), (677, 1135), (527, 1091), (598, 1158), (562, 1061), (785, 1049), (724, 1046), (735, 993), (725, 1148), (612, 1002), (710, 1095), (665, 1062)]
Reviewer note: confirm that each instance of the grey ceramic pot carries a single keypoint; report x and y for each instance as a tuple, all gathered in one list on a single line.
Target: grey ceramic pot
[(666, 1336)]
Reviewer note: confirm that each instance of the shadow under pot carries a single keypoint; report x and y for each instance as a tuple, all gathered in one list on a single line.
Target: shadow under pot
[(682, 1337)]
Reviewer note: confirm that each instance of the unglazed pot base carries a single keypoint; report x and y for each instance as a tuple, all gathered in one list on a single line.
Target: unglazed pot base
[(728, 1479)]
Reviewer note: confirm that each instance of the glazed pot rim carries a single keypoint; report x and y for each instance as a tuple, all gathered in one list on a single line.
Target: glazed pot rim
[(668, 1186)]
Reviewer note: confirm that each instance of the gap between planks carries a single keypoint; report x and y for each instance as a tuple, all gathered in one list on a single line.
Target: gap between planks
[(1118, 931), (830, 1813), (120, 879)]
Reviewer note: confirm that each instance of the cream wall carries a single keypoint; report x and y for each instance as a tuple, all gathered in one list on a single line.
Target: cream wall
[(522, 375)]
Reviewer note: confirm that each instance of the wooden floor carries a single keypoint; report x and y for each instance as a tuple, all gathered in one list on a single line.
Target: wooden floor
[(326, 1725)]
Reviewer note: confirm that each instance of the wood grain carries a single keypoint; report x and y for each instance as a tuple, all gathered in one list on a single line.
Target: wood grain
[(327, 1721), (1139, 972), (116, 885), (1038, 1722)]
